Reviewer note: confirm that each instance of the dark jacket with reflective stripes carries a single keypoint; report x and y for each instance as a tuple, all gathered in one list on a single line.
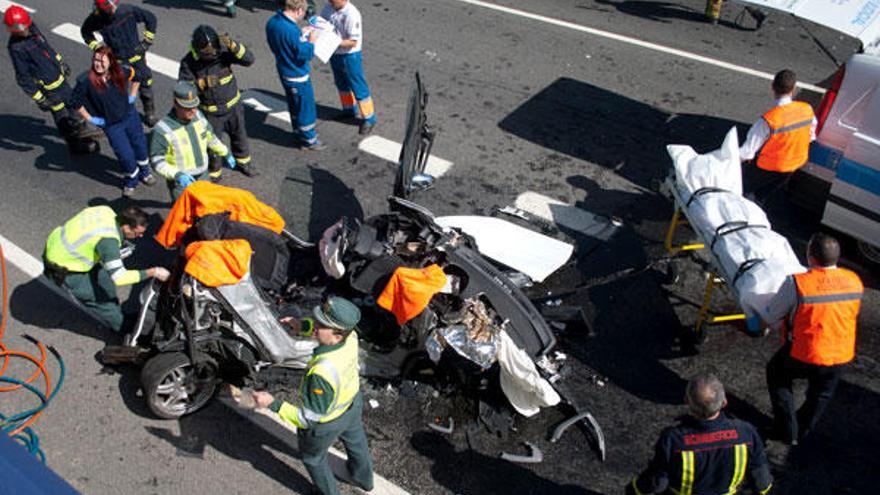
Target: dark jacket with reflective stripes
[(214, 78), (36, 64), (120, 31), (705, 457)]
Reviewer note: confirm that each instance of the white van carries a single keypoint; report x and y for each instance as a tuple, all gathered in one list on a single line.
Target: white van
[(842, 177)]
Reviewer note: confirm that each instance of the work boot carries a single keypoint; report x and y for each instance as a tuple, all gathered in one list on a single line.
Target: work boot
[(316, 146), (248, 169), (758, 15), (78, 146), (216, 176), (149, 180), (128, 192), (366, 128), (230, 11), (150, 118)]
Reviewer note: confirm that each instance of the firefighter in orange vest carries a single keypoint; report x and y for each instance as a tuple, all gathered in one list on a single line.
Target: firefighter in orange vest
[(779, 142), (816, 312)]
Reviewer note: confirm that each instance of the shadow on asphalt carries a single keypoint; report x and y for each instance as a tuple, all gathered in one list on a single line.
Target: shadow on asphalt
[(836, 457), (212, 7), (620, 134), (275, 131), (471, 472), (664, 12), (238, 438), (32, 303), (318, 195), (33, 133)]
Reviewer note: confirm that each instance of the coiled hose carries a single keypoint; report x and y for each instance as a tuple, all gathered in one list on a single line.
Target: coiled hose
[(18, 425)]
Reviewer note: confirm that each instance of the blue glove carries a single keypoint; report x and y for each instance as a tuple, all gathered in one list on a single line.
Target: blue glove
[(131, 99), (184, 179), (230, 161), (98, 121)]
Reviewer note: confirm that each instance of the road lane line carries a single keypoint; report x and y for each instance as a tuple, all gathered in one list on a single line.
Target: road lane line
[(33, 268), (390, 150), (261, 102), (633, 41), (5, 4), (158, 63)]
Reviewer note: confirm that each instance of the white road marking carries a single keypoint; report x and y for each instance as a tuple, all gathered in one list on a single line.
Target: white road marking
[(261, 102), (390, 150), (158, 63), (5, 4), (33, 268), (634, 41), (555, 211)]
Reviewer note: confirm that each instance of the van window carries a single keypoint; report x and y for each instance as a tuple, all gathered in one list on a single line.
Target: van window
[(853, 116)]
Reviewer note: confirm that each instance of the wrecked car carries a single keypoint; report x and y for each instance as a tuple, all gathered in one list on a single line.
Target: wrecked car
[(433, 307)]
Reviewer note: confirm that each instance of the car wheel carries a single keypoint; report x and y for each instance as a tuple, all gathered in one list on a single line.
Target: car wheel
[(174, 387)]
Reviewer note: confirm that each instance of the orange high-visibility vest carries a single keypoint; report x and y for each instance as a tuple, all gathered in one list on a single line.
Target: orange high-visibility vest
[(824, 323), (788, 146)]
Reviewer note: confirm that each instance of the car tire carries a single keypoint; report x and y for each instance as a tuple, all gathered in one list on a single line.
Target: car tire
[(173, 387)]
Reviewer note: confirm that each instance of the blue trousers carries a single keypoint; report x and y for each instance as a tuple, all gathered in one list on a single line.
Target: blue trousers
[(303, 112), (130, 147), (348, 74)]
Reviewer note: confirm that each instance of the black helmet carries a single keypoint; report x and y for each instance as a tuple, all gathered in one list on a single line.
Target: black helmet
[(205, 42)]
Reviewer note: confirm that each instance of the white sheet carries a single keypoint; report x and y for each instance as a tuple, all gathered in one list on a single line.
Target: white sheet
[(521, 383), (526, 251), (714, 209), (720, 168)]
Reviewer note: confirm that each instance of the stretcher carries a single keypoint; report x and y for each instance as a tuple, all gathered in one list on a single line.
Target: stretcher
[(743, 252)]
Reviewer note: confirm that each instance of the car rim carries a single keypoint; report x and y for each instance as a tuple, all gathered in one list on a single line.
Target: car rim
[(177, 390)]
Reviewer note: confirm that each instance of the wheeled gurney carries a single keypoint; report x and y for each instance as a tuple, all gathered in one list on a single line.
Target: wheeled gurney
[(743, 252)]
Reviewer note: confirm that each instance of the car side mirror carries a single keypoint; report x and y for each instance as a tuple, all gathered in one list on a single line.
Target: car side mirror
[(421, 182)]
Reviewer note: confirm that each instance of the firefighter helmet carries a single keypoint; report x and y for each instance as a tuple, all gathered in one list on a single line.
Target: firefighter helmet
[(106, 5), (17, 19), (205, 42)]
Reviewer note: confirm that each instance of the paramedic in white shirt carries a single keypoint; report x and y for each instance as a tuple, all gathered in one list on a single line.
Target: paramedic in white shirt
[(348, 71), (779, 142)]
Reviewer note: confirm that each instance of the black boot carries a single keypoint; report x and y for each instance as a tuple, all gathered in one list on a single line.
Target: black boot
[(758, 15), (149, 103), (82, 146)]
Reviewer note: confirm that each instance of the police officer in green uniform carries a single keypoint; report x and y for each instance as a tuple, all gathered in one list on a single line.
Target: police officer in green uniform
[(180, 142), (83, 256), (329, 404)]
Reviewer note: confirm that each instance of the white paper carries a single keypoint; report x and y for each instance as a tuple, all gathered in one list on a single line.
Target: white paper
[(327, 39)]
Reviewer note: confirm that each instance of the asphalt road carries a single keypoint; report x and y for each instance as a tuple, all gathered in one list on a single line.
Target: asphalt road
[(520, 105)]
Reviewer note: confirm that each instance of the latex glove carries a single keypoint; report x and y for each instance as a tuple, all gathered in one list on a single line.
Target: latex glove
[(184, 179), (132, 99), (97, 121), (230, 161)]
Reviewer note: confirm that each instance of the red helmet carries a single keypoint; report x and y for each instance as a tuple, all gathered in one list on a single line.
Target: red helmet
[(106, 5), (17, 19)]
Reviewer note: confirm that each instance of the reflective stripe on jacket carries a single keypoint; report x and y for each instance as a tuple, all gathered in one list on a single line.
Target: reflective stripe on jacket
[(788, 146), (72, 246), (824, 323), (339, 368), (178, 147)]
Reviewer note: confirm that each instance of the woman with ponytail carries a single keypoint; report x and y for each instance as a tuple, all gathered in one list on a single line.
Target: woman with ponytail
[(105, 96)]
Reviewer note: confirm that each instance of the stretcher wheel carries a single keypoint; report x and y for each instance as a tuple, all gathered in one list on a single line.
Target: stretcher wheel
[(673, 273)]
